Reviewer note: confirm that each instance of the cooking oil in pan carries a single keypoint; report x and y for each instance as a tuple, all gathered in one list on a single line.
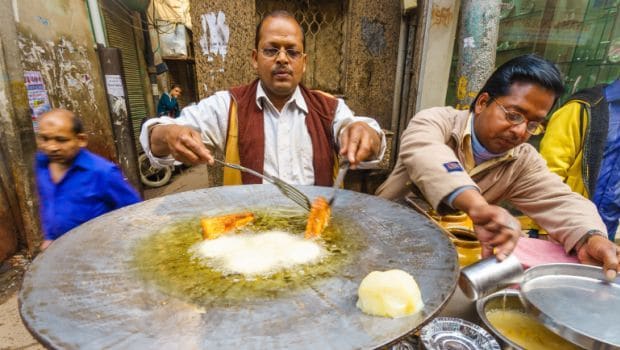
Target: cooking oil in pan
[(167, 260)]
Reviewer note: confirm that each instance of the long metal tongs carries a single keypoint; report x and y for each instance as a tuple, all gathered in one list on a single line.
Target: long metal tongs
[(289, 191)]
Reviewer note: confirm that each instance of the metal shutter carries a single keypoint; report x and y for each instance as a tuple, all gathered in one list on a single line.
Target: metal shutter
[(120, 33)]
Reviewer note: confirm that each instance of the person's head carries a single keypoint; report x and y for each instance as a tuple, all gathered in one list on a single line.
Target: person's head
[(514, 101), (278, 56), (60, 136), (175, 90)]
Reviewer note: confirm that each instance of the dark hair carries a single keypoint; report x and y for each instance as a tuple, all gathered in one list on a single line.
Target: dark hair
[(525, 69), (278, 14), (173, 86), (78, 126)]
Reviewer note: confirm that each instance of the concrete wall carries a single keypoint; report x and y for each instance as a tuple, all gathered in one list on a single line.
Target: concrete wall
[(52, 37), (440, 30), (373, 31), (55, 39), (223, 35)]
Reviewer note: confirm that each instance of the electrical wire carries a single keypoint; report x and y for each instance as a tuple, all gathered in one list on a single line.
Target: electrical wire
[(128, 12), (120, 18)]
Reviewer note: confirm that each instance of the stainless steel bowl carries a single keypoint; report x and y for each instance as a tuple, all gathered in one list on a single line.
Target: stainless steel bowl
[(509, 300)]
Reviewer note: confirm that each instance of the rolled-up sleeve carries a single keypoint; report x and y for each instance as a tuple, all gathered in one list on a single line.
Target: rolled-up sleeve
[(344, 117), (209, 117)]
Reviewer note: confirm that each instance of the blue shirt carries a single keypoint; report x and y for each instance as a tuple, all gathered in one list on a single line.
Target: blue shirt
[(91, 187), (607, 192)]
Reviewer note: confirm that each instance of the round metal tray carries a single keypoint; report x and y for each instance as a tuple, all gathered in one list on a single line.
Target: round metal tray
[(575, 302), (454, 333), (83, 291)]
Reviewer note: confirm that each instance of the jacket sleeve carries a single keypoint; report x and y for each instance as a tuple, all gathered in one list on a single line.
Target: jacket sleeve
[(563, 138), (541, 195), (430, 162)]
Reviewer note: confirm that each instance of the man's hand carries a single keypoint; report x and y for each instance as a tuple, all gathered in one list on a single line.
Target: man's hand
[(182, 142), (359, 142), (494, 226), (46, 243), (599, 250)]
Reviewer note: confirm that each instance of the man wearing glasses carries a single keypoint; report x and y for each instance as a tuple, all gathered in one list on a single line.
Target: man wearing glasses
[(273, 125), (469, 160)]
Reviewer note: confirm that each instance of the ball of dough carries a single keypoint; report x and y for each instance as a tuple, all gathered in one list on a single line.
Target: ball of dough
[(392, 293)]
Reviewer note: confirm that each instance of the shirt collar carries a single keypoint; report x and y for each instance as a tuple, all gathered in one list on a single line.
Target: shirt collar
[(81, 160), (481, 154), (297, 98), (612, 91), (470, 143)]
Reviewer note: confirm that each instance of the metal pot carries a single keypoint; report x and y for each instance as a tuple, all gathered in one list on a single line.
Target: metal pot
[(467, 245)]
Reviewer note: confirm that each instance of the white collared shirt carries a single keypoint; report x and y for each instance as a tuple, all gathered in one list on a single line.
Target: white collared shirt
[(288, 147)]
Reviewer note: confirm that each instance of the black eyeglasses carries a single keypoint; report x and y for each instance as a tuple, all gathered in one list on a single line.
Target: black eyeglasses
[(516, 118), (273, 52)]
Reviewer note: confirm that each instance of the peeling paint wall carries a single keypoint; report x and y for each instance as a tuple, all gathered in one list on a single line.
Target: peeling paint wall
[(223, 37), (55, 39), (215, 35)]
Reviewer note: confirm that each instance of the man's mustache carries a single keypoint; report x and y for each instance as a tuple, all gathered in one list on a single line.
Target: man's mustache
[(279, 70)]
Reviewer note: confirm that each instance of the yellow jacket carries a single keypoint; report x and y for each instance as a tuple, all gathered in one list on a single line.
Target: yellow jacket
[(563, 143)]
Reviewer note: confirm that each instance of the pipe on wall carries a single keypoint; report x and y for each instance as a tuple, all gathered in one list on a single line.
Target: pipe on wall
[(95, 20), (398, 81)]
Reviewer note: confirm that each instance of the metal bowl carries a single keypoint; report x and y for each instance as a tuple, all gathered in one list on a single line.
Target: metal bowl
[(455, 333), (509, 300)]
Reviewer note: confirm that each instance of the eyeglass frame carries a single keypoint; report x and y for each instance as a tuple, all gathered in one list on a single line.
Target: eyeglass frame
[(522, 119), (292, 54)]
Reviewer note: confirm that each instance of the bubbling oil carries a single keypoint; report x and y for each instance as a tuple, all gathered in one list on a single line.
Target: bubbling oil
[(258, 253), (165, 260)]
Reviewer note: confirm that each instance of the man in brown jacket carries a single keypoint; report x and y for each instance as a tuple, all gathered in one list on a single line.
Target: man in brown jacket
[(469, 160)]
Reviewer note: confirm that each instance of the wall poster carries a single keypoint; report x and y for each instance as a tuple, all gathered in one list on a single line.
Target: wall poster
[(37, 96)]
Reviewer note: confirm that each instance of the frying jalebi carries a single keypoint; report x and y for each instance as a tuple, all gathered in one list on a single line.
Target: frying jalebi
[(216, 226), (318, 219)]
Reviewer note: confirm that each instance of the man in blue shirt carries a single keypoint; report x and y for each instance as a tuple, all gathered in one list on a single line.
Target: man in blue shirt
[(74, 184)]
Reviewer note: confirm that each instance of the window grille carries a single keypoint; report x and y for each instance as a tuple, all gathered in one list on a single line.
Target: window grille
[(323, 22)]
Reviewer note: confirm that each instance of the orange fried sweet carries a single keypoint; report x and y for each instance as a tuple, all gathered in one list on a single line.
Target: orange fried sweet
[(318, 218), (216, 226)]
